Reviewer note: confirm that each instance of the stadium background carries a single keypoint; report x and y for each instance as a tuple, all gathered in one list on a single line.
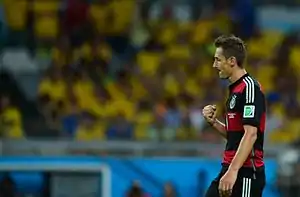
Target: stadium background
[(99, 96)]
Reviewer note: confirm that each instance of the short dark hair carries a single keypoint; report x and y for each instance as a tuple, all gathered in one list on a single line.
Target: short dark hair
[(232, 46)]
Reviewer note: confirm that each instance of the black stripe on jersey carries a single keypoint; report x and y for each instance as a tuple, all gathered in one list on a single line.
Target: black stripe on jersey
[(235, 139)]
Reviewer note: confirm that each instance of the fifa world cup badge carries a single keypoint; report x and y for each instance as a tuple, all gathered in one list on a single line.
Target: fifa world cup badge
[(249, 111)]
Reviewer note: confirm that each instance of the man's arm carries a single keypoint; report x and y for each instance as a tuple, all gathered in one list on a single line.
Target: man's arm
[(220, 127), (245, 147)]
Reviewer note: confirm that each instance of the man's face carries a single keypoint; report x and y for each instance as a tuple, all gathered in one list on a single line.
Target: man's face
[(222, 65)]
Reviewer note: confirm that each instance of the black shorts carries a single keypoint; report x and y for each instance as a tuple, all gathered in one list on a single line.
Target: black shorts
[(248, 183)]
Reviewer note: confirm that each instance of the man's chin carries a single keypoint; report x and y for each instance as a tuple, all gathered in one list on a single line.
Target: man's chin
[(223, 76)]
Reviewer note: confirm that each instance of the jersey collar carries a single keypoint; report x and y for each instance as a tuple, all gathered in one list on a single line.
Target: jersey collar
[(237, 82)]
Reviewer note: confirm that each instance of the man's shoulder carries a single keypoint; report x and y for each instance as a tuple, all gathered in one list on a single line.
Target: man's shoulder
[(250, 83)]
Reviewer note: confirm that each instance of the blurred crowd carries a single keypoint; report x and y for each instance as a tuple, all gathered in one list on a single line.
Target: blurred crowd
[(134, 70)]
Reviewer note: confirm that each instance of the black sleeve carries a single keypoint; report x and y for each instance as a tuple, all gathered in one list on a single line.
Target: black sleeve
[(252, 105)]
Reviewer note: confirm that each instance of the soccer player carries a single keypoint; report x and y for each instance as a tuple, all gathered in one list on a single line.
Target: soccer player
[(242, 173)]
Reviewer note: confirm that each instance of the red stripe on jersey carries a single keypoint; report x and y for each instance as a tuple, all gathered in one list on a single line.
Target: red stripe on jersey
[(234, 122), (258, 158), (239, 88), (262, 122)]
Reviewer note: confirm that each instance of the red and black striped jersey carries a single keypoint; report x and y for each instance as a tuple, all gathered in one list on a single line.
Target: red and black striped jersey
[(245, 106)]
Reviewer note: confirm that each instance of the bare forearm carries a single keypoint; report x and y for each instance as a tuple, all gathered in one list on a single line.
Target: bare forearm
[(243, 151), (220, 127)]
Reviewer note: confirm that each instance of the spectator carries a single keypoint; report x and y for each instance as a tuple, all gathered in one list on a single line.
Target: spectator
[(169, 190), (90, 128), (172, 58), (10, 119), (53, 85), (172, 119), (136, 190), (7, 187), (244, 18), (51, 113), (70, 120), (157, 131), (76, 22), (196, 118), (46, 20), (275, 119), (120, 129), (144, 118), (83, 89)]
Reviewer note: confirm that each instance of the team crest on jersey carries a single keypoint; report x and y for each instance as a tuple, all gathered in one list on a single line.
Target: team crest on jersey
[(232, 102)]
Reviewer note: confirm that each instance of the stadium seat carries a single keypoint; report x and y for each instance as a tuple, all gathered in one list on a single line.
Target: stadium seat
[(171, 85), (281, 137), (278, 109), (288, 133), (167, 33), (205, 71), (223, 22), (144, 117), (181, 134), (46, 26), (45, 6), (294, 125), (138, 90), (202, 32), (186, 134), (265, 76), (257, 48), (16, 14), (99, 14), (46, 18), (148, 62), (179, 52), (58, 56), (123, 11), (295, 59), (264, 45), (140, 132), (192, 87), (185, 27), (143, 121), (272, 38), (96, 132)]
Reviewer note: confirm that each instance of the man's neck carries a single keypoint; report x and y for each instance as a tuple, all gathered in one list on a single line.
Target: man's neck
[(237, 75)]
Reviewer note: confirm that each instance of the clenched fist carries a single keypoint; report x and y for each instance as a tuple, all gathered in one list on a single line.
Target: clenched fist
[(209, 113)]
